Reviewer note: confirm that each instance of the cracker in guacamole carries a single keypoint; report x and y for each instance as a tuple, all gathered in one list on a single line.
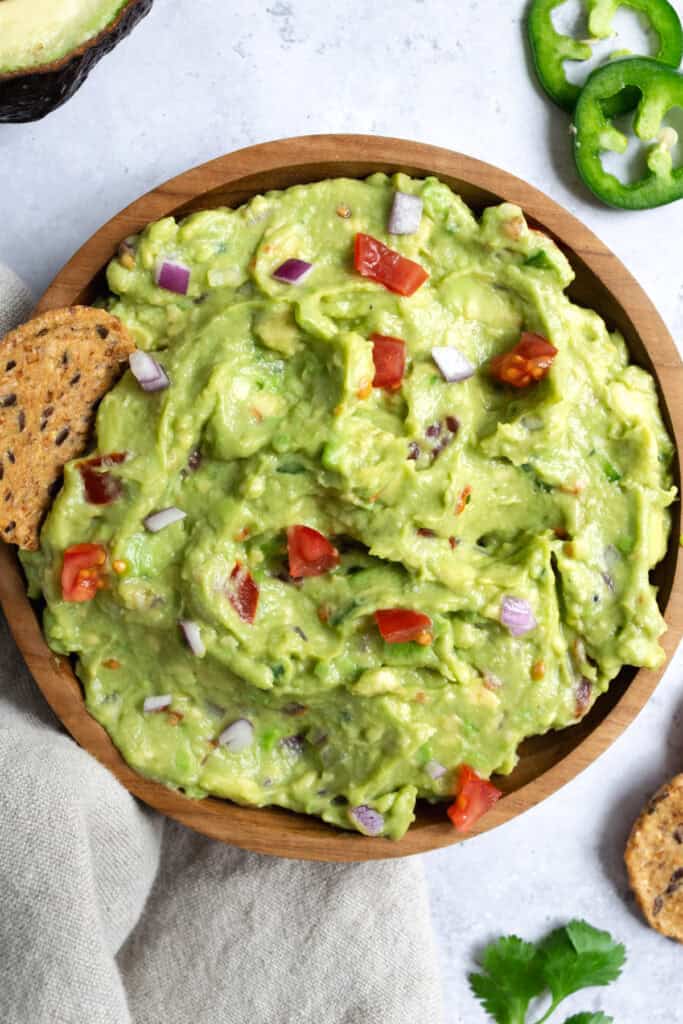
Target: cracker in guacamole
[(371, 508)]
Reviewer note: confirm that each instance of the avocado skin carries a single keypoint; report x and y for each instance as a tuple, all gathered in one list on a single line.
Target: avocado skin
[(30, 95)]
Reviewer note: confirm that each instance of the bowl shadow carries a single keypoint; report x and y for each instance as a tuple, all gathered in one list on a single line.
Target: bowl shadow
[(628, 805)]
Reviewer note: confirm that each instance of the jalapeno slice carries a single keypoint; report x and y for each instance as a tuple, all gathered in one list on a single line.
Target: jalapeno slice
[(660, 89), (550, 47)]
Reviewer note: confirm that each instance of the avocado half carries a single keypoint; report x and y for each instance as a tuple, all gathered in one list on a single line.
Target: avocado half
[(53, 47)]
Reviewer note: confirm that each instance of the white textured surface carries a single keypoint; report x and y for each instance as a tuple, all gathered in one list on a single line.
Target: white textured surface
[(197, 80)]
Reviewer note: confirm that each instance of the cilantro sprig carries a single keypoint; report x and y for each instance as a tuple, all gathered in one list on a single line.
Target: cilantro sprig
[(570, 958)]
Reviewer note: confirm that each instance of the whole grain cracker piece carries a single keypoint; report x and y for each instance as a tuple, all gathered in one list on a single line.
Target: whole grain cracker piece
[(654, 859), (53, 372)]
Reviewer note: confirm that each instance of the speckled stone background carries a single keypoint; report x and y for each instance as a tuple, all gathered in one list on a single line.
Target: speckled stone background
[(197, 80)]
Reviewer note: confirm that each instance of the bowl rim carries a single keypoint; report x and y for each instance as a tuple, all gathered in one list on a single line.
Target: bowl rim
[(272, 830)]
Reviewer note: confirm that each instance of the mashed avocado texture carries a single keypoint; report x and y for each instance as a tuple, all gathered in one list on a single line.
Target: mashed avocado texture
[(446, 499)]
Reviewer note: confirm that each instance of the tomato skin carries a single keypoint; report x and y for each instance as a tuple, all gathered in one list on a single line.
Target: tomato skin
[(101, 487), (82, 567), (377, 261), (528, 362), (389, 357), (475, 797), (310, 552), (400, 625), (244, 593)]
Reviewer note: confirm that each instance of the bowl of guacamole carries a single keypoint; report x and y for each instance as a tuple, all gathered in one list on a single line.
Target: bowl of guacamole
[(376, 501)]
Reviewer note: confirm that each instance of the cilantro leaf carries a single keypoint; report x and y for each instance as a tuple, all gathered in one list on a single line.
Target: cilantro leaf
[(513, 977), (590, 1018), (570, 958), (579, 956), (539, 258)]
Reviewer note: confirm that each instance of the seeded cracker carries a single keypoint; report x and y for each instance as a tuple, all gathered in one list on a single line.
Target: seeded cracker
[(654, 858), (53, 372)]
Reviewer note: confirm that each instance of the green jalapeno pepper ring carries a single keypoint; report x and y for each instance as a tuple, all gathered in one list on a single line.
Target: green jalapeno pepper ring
[(661, 89), (550, 48)]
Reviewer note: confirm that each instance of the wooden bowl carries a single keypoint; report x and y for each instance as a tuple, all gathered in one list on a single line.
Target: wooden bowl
[(546, 762)]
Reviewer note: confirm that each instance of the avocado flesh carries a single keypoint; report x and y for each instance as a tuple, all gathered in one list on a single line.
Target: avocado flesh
[(38, 32), (48, 49)]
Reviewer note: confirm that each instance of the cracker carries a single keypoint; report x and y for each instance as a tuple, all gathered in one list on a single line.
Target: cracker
[(53, 372), (654, 859)]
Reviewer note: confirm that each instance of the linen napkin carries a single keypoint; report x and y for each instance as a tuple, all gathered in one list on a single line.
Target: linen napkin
[(110, 914)]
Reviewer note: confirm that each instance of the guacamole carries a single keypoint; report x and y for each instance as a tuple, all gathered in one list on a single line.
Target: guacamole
[(230, 651)]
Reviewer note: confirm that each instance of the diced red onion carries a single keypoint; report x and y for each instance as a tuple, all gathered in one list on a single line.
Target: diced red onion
[(149, 374), (406, 214), (369, 821), (516, 614), (292, 271), (193, 637), (157, 703), (452, 363), (435, 769), (160, 520), (174, 277), (238, 736), (608, 580)]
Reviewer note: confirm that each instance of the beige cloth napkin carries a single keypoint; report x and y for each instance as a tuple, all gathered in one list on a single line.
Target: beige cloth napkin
[(110, 914)]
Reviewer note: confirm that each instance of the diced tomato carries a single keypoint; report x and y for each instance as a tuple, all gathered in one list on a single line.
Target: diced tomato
[(377, 261), (475, 797), (244, 593), (310, 553), (529, 361), (400, 625), (101, 487), (389, 357), (82, 571)]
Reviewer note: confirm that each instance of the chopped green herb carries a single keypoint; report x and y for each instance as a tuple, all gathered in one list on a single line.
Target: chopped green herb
[(424, 753), (571, 958), (268, 740), (610, 471), (292, 469), (540, 484), (336, 618), (539, 259)]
